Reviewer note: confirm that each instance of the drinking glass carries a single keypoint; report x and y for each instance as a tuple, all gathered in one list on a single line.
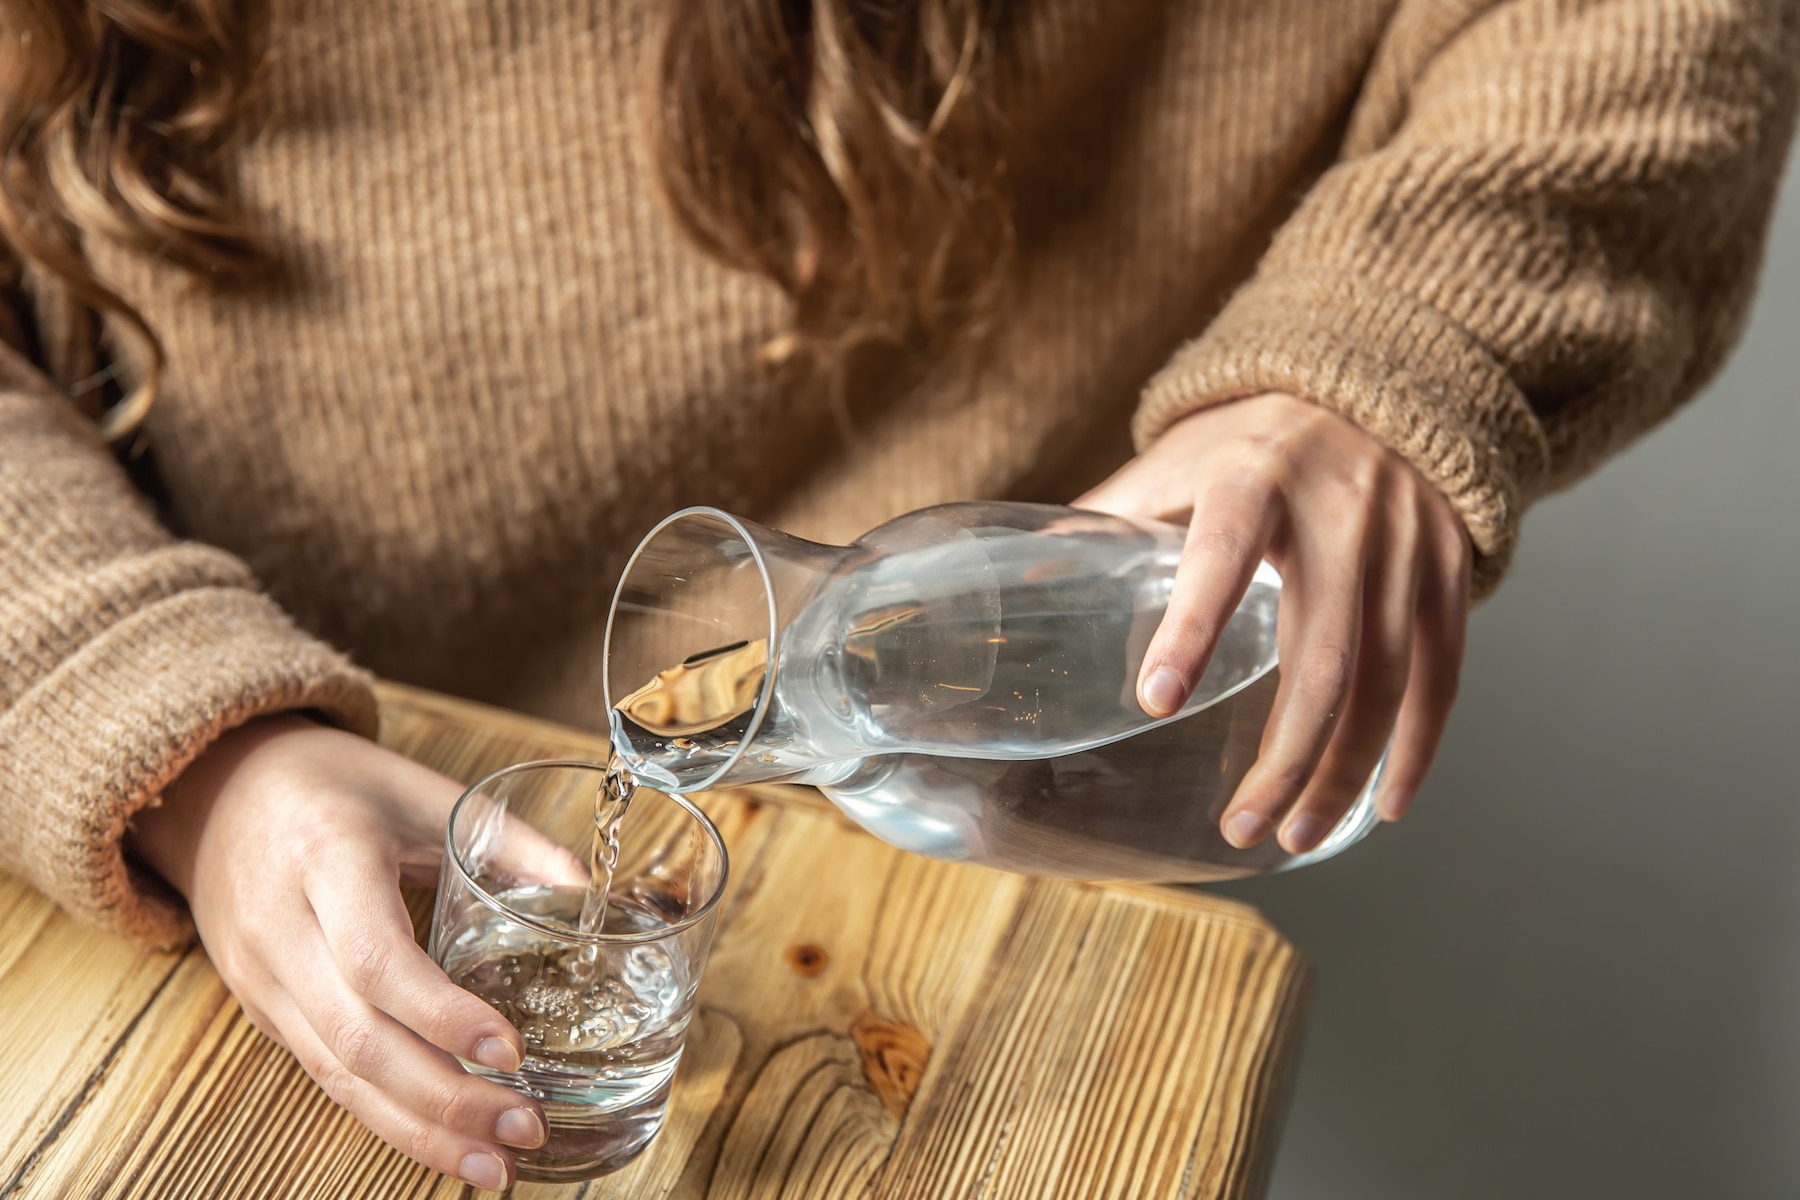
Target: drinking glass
[(604, 1013)]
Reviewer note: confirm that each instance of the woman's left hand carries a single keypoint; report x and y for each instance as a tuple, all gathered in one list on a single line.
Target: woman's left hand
[(1375, 570)]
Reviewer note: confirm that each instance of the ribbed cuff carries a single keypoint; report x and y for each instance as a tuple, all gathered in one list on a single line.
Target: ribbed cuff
[(105, 733), (1400, 369)]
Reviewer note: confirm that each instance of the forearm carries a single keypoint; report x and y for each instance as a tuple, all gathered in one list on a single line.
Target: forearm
[(124, 653)]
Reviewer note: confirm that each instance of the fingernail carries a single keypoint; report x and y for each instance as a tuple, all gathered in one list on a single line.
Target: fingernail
[(483, 1171), (1164, 693), (1246, 829), (519, 1127), (1304, 832), (497, 1055)]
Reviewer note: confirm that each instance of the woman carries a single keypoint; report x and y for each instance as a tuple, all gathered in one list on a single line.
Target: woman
[(396, 337)]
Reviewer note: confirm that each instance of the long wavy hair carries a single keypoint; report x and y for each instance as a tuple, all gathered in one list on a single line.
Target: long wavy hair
[(848, 151)]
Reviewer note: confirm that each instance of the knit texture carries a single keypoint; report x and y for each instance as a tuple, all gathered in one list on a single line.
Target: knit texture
[(1504, 238)]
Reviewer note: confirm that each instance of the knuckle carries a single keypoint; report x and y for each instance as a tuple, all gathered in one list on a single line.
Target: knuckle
[(231, 962), (1336, 788), (357, 1045), (418, 1141), (312, 853), (1362, 476), (1228, 545), (335, 1080), (1269, 460), (1326, 671), (452, 1105), (1284, 779), (444, 1024), (445, 1105), (367, 960), (259, 927)]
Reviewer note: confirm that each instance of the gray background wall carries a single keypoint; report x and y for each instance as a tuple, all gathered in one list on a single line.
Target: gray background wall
[(1574, 971)]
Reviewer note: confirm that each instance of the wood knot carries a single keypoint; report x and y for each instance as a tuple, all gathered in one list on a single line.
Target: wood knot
[(807, 959), (893, 1060)]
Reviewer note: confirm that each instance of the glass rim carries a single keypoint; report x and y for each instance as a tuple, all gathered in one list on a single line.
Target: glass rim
[(764, 691), (564, 932)]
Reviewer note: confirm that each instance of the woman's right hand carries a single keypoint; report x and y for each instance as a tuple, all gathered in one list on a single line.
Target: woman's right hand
[(290, 841)]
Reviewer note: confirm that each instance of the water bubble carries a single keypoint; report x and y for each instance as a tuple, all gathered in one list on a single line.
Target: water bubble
[(547, 999)]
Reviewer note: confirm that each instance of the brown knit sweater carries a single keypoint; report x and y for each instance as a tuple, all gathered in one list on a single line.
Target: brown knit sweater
[(1505, 238)]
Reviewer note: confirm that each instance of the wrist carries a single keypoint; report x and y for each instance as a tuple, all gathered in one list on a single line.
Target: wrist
[(165, 835)]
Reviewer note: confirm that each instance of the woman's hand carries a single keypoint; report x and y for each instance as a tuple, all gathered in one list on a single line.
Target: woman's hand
[(290, 841), (1375, 571)]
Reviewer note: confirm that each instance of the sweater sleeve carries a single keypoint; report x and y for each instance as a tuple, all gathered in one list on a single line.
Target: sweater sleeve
[(123, 653), (1541, 236)]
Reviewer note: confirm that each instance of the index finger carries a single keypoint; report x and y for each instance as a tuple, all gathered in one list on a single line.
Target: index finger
[(1232, 524), (370, 936)]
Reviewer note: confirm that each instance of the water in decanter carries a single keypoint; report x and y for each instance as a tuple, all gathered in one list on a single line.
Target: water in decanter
[(974, 698)]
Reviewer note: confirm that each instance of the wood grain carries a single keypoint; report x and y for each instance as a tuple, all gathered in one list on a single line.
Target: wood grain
[(872, 1024)]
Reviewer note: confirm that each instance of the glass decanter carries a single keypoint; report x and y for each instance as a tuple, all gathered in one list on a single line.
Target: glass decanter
[(960, 681)]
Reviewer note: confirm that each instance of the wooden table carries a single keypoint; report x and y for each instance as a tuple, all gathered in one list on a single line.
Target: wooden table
[(871, 1024)]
